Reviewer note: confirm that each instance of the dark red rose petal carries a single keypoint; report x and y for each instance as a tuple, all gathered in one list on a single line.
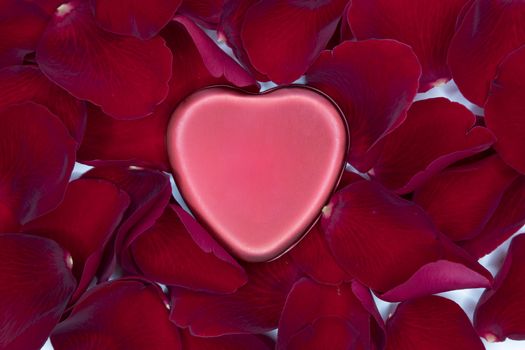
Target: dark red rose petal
[(283, 38), (253, 308), (83, 223), (490, 30), (205, 12), (134, 17), (431, 323), (37, 155), (354, 75), (505, 110), (149, 192), (314, 258), (178, 251), (500, 312), (347, 178), (126, 76), (309, 305), (461, 200), (26, 83), (508, 218), (391, 245), (21, 25), (427, 27), (435, 134), (124, 314), (35, 286), (226, 342), (326, 333)]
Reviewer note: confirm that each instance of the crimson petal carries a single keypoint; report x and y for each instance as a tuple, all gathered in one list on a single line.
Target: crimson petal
[(37, 157), (35, 286), (310, 305), (427, 27), (124, 314), (253, 308), (505, 111), (500, 312), (436, 133), (227, 342), (205, 12), (149, 192), (490, 30), (83, 224), (431, 323), (363, 224), (295, 31), (27, 83), (77, 55), (461, 200), (178, 251), (353, 74), (133, 17)]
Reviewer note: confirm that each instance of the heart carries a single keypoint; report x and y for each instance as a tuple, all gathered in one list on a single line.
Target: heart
[(257, 169)]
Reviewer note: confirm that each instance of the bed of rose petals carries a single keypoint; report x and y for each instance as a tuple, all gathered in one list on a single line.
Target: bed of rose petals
[(436, 187)]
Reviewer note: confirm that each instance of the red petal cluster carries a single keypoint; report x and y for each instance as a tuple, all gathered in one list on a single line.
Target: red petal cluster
[(110, 260)]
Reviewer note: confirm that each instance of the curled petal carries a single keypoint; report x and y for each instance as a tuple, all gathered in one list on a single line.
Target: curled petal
[(489, 31), (508, 218), (505, 111), (132, 17), (83, 235), (461, 200), (205, 12), (432, 323), (35, 286), (353, 74), (363, 223), (312, 306), (253, 308), (77, 55), (125, 314), (427, 27), (27, 83), (227, 342), (436, 133), (37, 155), (177, 251), (149, 192), (296, 32)]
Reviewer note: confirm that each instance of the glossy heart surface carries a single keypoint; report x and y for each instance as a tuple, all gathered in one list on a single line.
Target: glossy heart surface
[(256, 170)]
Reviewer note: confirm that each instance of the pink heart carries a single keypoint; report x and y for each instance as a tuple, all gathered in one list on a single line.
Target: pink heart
[(256, 170)]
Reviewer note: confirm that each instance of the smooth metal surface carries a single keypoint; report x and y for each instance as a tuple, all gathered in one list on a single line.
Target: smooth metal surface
[(257, 169)]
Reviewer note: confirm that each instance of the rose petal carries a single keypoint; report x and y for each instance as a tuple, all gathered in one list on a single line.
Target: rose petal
[(35, 286), (178, 251), (207, 13), (353, 74), (227, 342), (500, 311), (77, 55), (124, 314), (133, 17), (363, 224), (296, 32), (432, 323), (253, 308), (83, 223), (37, 157), (490, 30), (21, 25), (461, 200), (427, 27), (436, 133), (27, 83), (508, 218), (505, 111), (309, 304), (326, 333), (149, 192), (314, 258)]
